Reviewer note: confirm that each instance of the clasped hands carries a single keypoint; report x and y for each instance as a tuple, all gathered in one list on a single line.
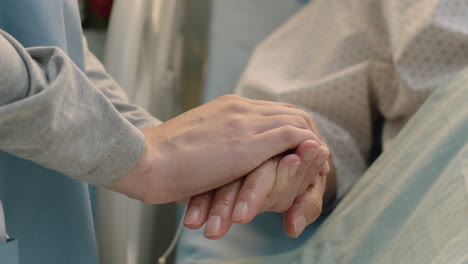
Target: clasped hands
[(234, 158), (293, 184)]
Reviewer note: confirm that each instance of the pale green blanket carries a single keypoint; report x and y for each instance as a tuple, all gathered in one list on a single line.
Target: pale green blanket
[(412, 204)]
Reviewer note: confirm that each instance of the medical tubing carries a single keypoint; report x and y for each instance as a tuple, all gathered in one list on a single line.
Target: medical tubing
[(3, 233), (162, 259)]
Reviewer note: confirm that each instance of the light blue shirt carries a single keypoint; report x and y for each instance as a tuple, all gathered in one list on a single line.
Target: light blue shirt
[(48, 213)]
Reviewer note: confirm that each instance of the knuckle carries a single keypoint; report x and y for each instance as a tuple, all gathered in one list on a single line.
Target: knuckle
[(305, 116), (237, 107), (302, 113), (301, 122), (282, 207), (315, 208), (283, 104), (252, 187), (268, 167), (281, 194), (288, 133), (280, 190), (223, 202), (202, 198)]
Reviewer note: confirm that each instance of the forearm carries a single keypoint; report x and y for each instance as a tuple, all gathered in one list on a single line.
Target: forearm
[(52, 114)]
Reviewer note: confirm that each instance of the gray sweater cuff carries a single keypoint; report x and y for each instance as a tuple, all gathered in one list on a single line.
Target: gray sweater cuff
[(127, 147), (53, 115)]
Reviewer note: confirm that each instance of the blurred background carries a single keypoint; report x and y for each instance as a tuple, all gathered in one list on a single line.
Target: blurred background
[(169, 56)]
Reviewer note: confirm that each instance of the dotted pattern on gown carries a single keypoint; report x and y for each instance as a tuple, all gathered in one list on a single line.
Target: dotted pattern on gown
[(345, 62)]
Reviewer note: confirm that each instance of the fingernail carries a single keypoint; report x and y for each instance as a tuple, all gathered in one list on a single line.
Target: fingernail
[(240, 211), (299, 225), (293, 168), (310, 154), (193, 215), (325, 168), (322, 156), (213, 226)]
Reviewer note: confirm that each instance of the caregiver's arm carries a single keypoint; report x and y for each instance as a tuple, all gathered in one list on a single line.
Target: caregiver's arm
[(52, 114), (141, 119), (97, 73)]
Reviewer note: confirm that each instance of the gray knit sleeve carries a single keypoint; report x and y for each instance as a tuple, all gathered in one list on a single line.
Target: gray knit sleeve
[(98, 75), (53, 114)]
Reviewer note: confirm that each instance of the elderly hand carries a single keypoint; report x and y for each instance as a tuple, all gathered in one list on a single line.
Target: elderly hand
[(293, 184)]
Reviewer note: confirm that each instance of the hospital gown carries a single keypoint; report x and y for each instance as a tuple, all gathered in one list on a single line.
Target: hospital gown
[(411, 205), (361, 69)]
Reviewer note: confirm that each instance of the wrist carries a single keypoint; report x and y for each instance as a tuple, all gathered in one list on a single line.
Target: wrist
[(136, 182)]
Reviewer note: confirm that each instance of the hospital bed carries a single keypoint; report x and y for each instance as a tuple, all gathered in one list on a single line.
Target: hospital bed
[(145, 54)]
